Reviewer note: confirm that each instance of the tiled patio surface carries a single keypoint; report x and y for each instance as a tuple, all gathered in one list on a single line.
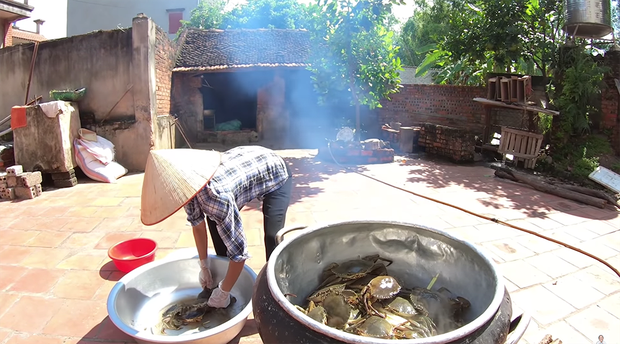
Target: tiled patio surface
[(55, 275)]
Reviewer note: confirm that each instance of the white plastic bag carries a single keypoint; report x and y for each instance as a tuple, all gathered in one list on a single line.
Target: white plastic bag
[(96, 159), (102, 149)]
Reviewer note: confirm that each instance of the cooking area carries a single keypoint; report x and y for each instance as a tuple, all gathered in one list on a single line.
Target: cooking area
[(65, 234)]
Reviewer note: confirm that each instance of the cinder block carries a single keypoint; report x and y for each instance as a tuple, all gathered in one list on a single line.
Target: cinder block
[(25, 192), (9, 193), (29, 179), (14, 170), (2, 177), (11, 181), (39, 189), (3, 186)]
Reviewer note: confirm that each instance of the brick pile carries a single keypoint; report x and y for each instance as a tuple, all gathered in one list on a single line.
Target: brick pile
[(455, 144), (17, 184)]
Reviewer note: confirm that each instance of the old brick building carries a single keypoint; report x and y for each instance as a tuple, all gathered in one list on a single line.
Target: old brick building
[(240, 86)]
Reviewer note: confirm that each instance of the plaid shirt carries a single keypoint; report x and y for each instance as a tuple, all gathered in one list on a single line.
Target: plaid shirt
[(245, 173)]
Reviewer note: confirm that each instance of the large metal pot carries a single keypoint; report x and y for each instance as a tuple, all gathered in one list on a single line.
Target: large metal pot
[(135, 302), (419, 253)]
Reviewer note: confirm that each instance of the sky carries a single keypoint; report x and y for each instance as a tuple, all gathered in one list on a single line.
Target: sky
[(54, 12)]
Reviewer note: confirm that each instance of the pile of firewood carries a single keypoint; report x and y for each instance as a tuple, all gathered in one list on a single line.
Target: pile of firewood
[(584, 195)]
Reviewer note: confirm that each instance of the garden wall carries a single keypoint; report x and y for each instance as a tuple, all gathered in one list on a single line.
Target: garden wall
[(446, 105)]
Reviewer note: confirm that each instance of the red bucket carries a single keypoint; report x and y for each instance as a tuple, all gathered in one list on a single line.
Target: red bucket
[(130, 254)]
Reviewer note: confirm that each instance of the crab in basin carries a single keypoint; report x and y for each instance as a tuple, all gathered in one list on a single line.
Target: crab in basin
[(179, 315), (353, 269), (379, 288)]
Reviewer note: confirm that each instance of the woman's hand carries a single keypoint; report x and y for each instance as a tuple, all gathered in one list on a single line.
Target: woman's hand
[(219, 298)]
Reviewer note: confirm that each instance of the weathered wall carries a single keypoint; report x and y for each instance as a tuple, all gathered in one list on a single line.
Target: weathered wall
[(107, 64), (272, 113), (187, 105), (113, 13), (100, 61), (438, 104)]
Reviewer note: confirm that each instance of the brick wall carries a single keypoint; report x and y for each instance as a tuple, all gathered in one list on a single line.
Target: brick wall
[(8, 34), (164, 62), (438, 104), (455, 144)]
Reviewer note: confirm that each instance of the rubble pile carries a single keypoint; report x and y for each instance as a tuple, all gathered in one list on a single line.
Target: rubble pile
[(17, 184)]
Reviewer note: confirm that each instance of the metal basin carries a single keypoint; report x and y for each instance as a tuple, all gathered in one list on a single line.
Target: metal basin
[(419, 253), (136, 301)]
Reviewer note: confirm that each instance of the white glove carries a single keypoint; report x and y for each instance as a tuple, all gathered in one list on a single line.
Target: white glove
[(219, 298), (206, 280)]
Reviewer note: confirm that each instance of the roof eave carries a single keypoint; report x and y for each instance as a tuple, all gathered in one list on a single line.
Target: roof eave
[(224, 68), (17, 10)]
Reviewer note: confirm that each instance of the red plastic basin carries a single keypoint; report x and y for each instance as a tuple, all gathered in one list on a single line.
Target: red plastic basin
[(130, 254)]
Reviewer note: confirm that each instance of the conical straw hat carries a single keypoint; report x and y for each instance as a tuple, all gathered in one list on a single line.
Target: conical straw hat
[(171, 178)]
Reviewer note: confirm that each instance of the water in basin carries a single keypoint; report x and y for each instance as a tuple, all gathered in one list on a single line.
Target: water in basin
[(149, 318)]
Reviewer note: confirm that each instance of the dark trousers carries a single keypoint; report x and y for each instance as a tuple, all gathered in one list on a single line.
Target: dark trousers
[(275, 205)]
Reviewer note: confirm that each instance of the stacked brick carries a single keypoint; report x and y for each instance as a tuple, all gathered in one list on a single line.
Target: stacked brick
[(17, 184), (455, 144)]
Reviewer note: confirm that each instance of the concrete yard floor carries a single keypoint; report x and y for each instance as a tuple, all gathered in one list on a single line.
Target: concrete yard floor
[(55, 275)]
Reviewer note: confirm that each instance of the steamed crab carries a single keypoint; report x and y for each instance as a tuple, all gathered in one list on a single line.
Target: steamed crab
[(353, 269), (379, 288)]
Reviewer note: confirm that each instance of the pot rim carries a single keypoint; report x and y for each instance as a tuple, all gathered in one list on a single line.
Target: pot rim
[(461, 332), (147, 336)]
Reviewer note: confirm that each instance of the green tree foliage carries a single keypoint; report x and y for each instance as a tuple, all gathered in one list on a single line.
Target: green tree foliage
[(423, 31), (514, 36), (255, 14), (353, 51), (268, 14), (209, 14)]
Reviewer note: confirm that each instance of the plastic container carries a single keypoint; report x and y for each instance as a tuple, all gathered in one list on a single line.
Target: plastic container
[(130, 254)]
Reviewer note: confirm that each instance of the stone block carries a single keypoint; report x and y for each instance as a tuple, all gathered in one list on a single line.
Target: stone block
[(65, 183), (29, 179), (11, 181), (24, 192), (14, 170), (39, 189)]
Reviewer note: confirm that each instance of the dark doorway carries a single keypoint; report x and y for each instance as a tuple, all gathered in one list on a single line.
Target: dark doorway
[(231, 96)]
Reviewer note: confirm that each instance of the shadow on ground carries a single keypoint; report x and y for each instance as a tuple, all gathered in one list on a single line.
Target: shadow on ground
[(309, 170), (439, 174)]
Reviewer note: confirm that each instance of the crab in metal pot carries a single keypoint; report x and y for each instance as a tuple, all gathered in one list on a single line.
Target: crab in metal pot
[(379, 288), (352, 269), (321, 294)]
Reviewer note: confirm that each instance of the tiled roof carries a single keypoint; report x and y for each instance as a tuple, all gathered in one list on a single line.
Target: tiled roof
[(28, 36), (204, 50)]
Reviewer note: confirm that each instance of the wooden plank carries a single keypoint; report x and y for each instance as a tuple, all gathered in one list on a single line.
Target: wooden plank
[(519, 107)]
